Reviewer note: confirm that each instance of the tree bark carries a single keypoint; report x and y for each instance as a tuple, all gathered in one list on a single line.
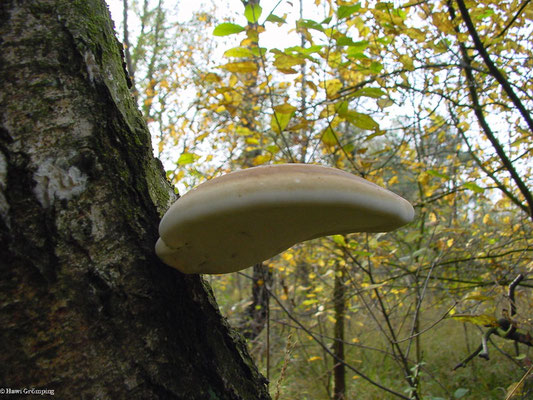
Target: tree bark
[(339, 304), (87, 309), (256, 314)]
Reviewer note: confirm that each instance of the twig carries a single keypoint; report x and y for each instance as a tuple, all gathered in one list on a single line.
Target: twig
[(504, 329), (337, 359), (429, 327), (520, 382), (494, 71), (469, 358), (512, 288), (511, 22), (504, 83)]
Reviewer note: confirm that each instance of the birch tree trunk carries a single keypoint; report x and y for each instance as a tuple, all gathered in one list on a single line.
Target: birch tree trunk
[(87, 309)]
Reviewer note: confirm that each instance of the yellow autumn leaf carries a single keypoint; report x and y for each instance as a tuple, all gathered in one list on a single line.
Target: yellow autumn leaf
[(332, 87), (241, 66), (416, 34), (287, 255), (477, 296), (314, 358), (309, 302), (407, 62), (424, 178), (443, 23), (211, 78), (279, 121), (285, 108), (233, 80), (243, 131), (393, 180), (261, 159), (285, 62), (481, 320)]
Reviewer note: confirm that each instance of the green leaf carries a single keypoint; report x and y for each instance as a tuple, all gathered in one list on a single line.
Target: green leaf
[(309, 24), (346, 11), (252, 12), (339, 239), (438, 174), (239, 52), (186, 158), (487, 12), (312, 49), (348, 148), (375, 134), (329, 137), (362, 121), (304, 50), (375, 93), (384, 103), (473, 187), (356, 55), (341, 108), (244, 52), (386, 40), (461, 392), (345, 41), (279, 121), (273, 149), (276, 19), (376, 67), (359, 46), (227, 28)]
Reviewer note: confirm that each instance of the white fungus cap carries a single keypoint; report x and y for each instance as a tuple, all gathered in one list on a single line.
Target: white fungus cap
[(245, 217)]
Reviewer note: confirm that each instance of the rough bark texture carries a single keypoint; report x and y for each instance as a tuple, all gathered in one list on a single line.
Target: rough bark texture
[(86, 307)]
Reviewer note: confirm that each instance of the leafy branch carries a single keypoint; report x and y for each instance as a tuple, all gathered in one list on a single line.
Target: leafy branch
[(505, 328)]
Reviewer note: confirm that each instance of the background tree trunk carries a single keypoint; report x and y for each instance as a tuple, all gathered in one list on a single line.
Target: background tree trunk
[(87, 310), (256, 314), (339, 304)]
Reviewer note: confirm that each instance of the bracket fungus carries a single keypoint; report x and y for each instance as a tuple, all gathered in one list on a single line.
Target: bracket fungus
[(245, 217)]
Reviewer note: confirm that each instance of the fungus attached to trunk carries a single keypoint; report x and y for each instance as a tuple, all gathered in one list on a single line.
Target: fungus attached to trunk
[(234, 221)]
